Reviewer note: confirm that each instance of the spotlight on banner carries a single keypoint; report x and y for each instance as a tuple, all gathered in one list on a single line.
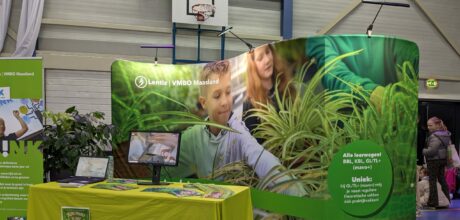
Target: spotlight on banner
[(381, 3), (157, 46), (229, 30)]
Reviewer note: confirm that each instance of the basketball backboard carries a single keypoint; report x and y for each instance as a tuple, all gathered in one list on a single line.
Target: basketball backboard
[(206, 12)]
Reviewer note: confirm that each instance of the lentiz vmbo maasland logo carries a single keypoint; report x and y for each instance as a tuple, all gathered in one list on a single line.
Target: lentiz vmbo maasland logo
[(141, 82)]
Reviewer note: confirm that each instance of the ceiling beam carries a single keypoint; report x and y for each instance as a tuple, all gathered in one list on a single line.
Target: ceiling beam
[(126, 27), (352, 6), (87, 61), (438, 28)]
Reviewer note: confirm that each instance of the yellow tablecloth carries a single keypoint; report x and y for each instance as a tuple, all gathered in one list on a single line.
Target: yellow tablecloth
[(46, 200)]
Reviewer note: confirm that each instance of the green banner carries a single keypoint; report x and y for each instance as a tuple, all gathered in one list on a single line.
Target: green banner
[(321, 127), (21, 126)]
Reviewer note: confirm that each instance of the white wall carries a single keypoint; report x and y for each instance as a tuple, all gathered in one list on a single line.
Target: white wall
[(87, 90)]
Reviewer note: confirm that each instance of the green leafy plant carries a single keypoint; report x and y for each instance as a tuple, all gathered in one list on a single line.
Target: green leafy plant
[(71, 135), (161, 108), (306, 130), (392, 124), (310, 128), (304, 133)]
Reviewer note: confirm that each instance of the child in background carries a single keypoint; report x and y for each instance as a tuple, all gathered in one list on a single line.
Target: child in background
[(423, 191)]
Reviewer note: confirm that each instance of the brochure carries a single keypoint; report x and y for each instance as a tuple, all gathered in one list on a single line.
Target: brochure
[(122, 181), (211, 190), (114, 186), (179, 192)]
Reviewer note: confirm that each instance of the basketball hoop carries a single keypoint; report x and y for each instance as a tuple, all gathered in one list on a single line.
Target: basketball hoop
[(203, 11)]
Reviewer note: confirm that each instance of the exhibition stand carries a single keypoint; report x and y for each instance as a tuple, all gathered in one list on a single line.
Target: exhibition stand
[(332, 144), (21, 127), (46, 201), (332, 119), (321, 127)]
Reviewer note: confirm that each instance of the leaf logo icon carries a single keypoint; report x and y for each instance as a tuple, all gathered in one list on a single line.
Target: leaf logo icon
[(141, 82)]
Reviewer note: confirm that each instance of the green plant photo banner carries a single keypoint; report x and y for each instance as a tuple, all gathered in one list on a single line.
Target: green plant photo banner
[(21, 126), (321, 127)]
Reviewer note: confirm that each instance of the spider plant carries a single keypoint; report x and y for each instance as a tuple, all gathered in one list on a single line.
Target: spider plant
[(392, 124), (309, 129), (304, 133)]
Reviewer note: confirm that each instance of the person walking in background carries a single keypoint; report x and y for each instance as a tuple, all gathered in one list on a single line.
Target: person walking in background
[(436, 158)]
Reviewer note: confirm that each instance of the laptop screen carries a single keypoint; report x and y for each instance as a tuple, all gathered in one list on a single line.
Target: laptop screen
[(92, 166), (160, 148)]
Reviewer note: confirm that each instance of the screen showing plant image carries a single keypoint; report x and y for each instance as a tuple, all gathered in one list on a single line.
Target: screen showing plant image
[(277, 117), (144, 146)]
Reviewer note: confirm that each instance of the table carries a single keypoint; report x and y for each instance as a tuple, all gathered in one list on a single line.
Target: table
[(45, 202)]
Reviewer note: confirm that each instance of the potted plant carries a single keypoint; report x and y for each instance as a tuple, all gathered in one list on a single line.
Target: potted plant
[(71, 135)]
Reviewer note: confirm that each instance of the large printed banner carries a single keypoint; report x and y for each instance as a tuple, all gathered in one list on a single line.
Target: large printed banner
[(21, 107), (328, 123)]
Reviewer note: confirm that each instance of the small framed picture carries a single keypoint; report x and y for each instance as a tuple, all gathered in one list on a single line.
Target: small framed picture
[(75, 213)]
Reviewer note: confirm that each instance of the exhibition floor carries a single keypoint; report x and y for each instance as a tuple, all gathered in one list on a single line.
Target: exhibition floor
[(443, 214)]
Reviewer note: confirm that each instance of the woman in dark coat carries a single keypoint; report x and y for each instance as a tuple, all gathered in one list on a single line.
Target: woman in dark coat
[(436, 158)]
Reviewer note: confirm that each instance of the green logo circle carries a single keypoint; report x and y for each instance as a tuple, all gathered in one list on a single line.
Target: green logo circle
[(431, 83), (360, 178)]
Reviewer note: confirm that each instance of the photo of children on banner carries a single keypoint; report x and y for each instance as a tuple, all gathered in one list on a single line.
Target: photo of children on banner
[(12, 125), (371, 70), (264, 72), (145, 145), (207, 148), (20, 119), (14, 135)]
